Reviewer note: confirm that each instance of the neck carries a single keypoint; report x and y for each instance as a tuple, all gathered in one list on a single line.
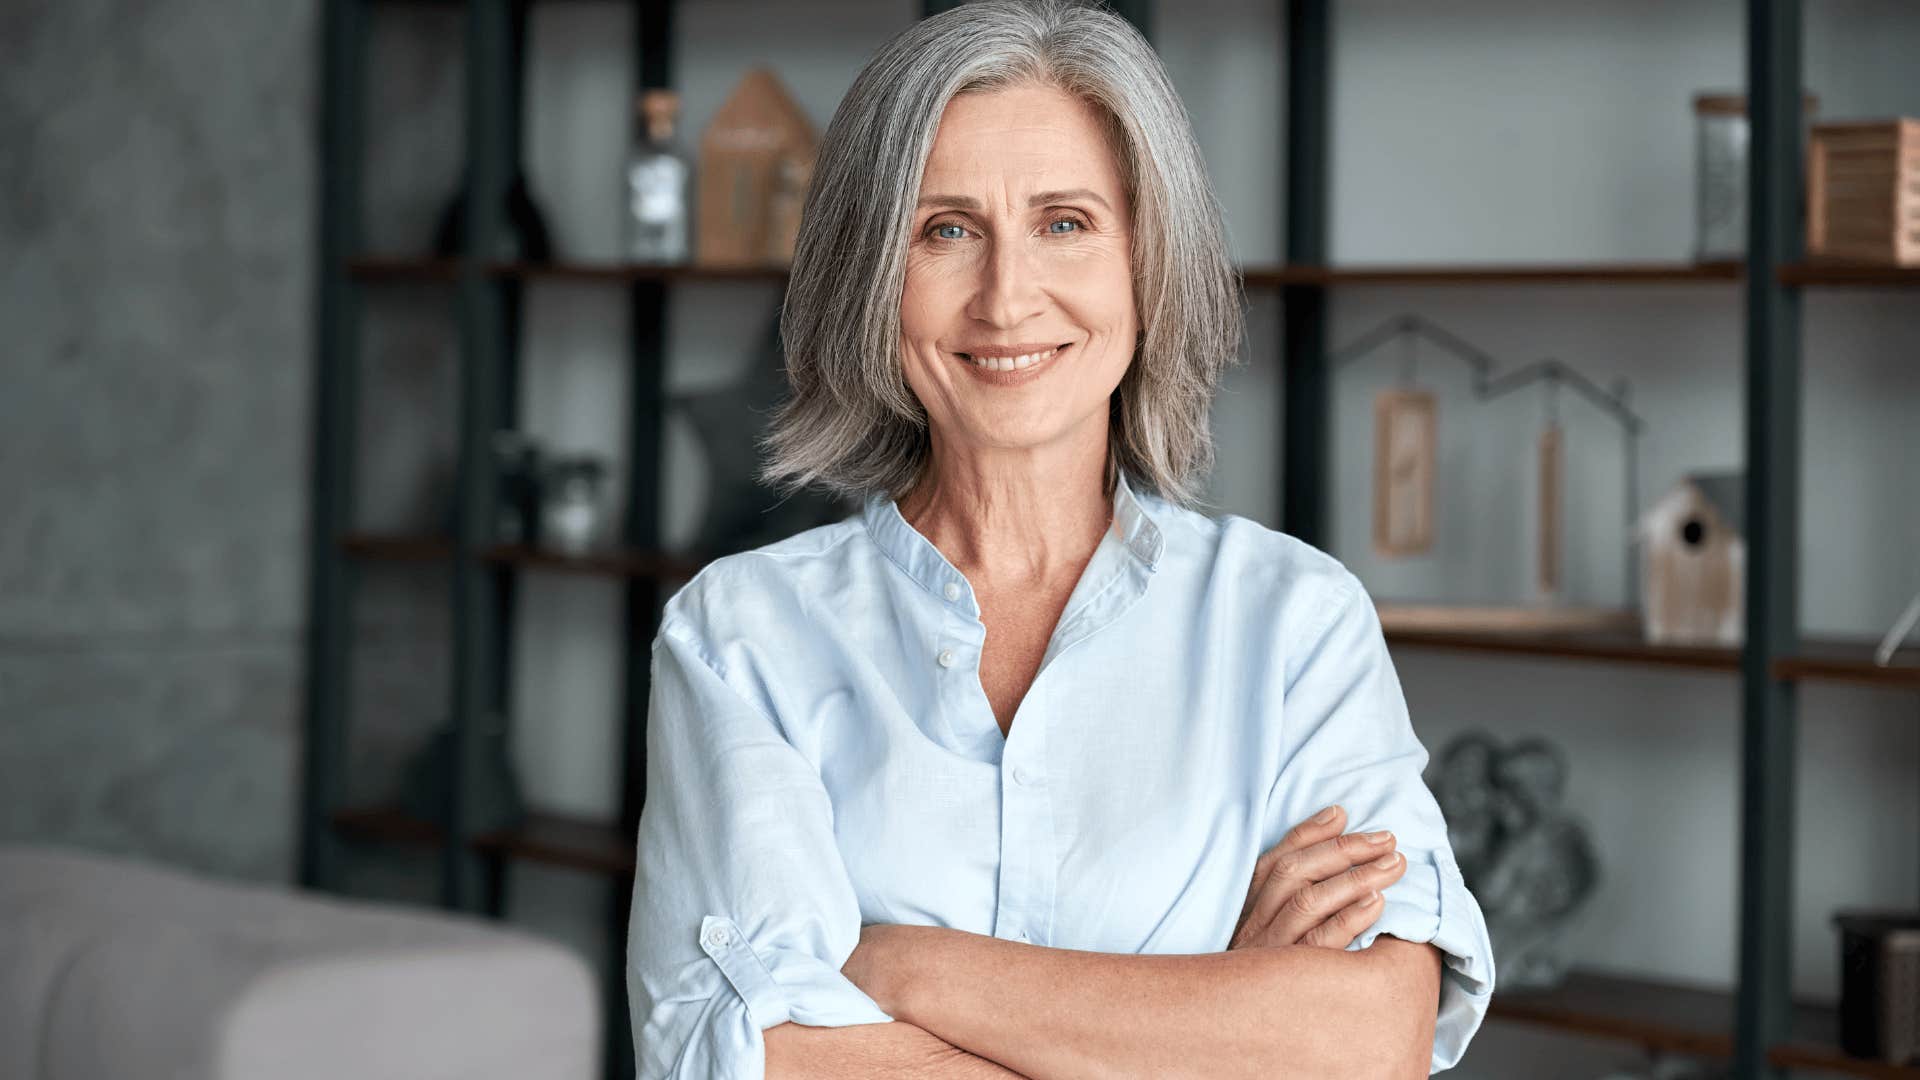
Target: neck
[(1012, 520)]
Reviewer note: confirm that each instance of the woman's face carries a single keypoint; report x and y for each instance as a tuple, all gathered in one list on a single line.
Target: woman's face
[(1021, 243)]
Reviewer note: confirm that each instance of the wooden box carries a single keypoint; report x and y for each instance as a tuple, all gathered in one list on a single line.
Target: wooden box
[(1863, 192)]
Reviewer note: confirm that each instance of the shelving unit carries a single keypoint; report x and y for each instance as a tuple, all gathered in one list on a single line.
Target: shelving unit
[(1756, 1027), (1759, 1027)]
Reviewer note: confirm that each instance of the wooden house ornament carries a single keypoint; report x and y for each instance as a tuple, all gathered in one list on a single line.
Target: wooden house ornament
[(756, 157), (1694, 547), (1405, 427)]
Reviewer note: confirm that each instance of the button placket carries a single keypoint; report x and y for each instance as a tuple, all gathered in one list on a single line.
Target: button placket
[(1028, 844)]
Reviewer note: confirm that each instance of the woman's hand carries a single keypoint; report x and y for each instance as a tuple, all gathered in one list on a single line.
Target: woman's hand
[(1317, 886)]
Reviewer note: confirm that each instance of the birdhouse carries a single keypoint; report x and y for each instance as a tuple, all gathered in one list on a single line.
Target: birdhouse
[(756, 158), (1693, 576)]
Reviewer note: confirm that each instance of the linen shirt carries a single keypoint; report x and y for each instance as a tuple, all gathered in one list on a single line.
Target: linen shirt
[(821, 755)]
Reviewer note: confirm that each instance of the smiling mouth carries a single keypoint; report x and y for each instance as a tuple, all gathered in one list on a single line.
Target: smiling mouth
[(1012, 363)]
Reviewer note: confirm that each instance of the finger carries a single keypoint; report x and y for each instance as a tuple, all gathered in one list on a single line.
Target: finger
[(1290, 871), (1303, 835), (1337, 854), (1338, 931), (1325, 899), (1305, 907)]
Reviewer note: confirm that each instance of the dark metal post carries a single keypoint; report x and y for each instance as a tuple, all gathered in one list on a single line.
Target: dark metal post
[(336, 363), (1303, 335), (482, 327), (1768, 797), (646, 453)]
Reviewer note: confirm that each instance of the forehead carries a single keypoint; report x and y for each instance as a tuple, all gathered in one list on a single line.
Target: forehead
[(1024, 137)]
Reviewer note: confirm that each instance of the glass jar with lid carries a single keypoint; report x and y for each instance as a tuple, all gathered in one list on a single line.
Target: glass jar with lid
[(1721, 137)]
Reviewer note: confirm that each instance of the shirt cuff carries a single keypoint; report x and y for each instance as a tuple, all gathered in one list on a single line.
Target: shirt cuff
[(1431, 903), (779, 984)]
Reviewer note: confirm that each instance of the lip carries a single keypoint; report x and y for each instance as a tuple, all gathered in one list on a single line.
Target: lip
[(1015, 378), (1024, 348)]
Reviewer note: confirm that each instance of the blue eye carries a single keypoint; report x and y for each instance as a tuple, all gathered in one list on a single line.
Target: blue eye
[(1067, 221), (948, 225)]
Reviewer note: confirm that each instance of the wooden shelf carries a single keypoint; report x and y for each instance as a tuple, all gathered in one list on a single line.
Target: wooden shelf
[(618, 272), (1850, 660), (1849, 274), (1654, 1014), (1825, 1054), (1626, 646), (420, 268), (1682, 1019), (402, 268), (379, 547), (553, 839), (612, 562), (1818, 658), (1491, 274)]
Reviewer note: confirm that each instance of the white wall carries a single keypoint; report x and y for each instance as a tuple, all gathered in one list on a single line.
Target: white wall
[(1477, 130)]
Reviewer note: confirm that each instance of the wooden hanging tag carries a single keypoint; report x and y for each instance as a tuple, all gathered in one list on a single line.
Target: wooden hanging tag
[(1405, 424), (1549, 554)]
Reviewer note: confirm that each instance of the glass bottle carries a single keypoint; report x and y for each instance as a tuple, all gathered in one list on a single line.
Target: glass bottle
[(658, 176)]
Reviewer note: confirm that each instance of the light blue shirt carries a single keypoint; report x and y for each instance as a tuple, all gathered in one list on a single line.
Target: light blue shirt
[(821, 755)]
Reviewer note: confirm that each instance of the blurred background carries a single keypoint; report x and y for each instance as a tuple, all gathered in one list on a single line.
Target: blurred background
[(341, 504)]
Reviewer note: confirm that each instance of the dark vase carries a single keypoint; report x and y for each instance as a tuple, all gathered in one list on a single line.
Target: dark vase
[(524, 237)]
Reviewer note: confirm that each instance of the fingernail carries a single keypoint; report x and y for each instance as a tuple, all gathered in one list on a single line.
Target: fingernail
[(1373, 896), (1387, 861), (1324, 816), (1380, 837)]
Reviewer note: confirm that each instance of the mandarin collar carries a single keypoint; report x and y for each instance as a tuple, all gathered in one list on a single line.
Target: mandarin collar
[(1134, 528)]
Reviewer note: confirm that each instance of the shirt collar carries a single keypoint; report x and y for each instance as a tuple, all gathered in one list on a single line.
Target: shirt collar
[(1133, 526)]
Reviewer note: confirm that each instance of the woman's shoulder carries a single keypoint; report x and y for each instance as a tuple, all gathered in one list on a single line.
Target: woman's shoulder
[(1242, 553), (761, 586)]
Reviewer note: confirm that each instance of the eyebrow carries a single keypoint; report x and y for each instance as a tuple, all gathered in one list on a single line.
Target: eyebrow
[(963, 202)]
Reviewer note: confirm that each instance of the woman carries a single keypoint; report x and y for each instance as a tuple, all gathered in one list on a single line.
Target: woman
[(1021, 770)]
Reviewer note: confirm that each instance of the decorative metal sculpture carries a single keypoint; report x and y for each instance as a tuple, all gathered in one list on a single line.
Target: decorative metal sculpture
[(1527, 860), (1404, 442)]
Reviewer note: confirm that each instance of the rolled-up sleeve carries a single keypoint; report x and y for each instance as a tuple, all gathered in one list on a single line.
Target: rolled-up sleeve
[(742, 912), (1347, 739)]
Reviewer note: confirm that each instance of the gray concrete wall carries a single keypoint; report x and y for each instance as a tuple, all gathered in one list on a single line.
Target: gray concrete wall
[(157, 211), (156, 189)]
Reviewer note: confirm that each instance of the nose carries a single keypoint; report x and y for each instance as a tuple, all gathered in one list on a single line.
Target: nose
[(1009, 291)]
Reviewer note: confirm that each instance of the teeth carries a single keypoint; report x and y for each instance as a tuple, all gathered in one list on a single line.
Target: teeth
[(1010, 363)]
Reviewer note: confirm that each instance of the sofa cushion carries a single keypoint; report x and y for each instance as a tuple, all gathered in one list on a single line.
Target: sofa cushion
[(111, 967)]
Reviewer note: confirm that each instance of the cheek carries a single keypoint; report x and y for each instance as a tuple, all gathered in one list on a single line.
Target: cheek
[(928, 303)]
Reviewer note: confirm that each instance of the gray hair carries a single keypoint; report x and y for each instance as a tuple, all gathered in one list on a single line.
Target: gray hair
[(851, 423)]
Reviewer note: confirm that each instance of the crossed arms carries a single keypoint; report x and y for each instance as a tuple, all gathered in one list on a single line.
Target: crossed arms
[(968, 1005)]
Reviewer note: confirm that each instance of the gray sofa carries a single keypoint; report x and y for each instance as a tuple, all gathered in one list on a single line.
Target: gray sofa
[(112, 967)]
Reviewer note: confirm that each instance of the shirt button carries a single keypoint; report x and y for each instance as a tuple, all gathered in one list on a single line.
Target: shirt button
[(953, 590), (946, 657), (717, 936), (1021, 776)]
